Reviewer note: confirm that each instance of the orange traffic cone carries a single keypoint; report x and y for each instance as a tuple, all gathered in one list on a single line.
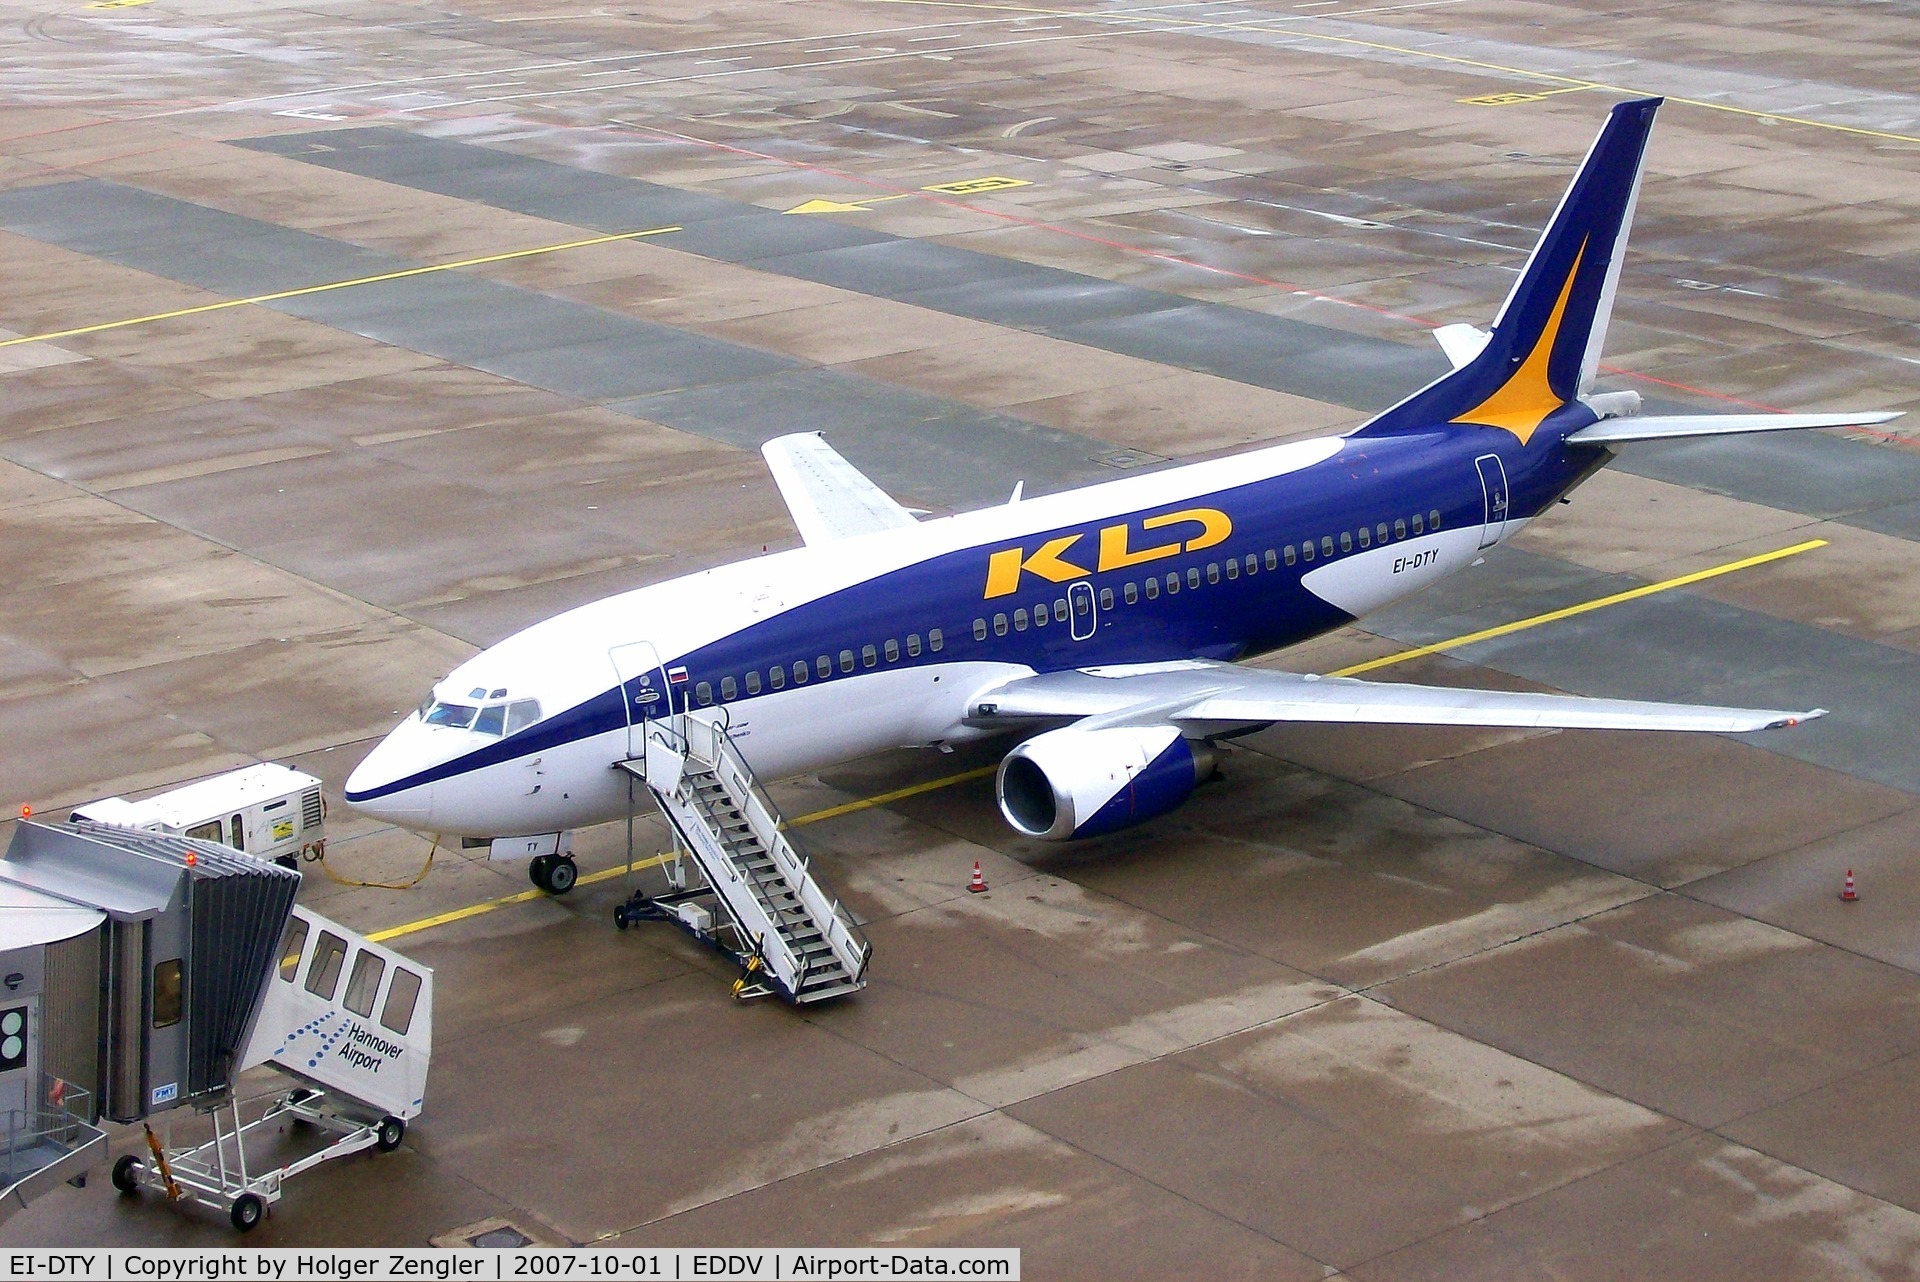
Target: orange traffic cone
[(1847, 892), (979, 882)]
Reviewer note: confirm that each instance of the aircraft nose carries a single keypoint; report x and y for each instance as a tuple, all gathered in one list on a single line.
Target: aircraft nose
[(381, 785)]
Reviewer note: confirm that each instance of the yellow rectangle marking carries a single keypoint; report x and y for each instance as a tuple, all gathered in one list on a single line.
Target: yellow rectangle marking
[(975, 186)]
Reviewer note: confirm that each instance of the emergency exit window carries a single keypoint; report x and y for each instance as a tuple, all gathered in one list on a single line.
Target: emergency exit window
[(402, 994), (168, 990), (363, 985)]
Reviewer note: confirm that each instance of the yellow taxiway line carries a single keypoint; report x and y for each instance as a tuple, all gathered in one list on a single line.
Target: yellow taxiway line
[(948, 781), (204, 308), (1284, 26)]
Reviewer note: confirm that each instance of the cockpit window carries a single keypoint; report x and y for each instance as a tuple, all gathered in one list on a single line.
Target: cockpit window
[(457, 715), (522, 713), (491, 718)]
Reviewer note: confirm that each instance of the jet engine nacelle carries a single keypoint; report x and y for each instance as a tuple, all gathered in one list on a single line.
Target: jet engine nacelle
[(1072, 783)]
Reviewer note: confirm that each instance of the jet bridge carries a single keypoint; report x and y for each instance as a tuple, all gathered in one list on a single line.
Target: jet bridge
[(791, 937), (145, 971)]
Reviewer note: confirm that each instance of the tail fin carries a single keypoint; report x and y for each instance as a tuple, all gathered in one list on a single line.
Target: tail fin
[(1545, 346)]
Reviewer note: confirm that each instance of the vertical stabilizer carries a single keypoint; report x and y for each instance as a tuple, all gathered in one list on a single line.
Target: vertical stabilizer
[(1546, 339)]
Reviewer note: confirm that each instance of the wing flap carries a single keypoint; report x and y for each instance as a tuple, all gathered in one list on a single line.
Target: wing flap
[(829, 497), (1671, 427), (1208, 698)]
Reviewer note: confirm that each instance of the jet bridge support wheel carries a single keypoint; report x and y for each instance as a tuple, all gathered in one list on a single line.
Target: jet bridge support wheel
[(247, 1212)]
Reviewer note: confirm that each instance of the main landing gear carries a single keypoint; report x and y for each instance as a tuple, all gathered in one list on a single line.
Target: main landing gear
[(554, 874)]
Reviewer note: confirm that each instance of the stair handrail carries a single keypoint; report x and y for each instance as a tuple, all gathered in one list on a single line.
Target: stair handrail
[(834, 920), (764, 899)]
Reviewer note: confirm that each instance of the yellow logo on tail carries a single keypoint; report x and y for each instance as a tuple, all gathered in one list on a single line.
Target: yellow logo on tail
[(1523, 402)]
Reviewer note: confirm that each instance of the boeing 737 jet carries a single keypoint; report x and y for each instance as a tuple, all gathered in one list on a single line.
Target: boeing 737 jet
[(1110, 618)]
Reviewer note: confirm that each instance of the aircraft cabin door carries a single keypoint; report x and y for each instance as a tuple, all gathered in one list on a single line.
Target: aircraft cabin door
[(1493, 483), (1080, 610), (645, 691)]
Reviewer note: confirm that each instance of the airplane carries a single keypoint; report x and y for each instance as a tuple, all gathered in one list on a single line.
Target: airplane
[(1109, 618)]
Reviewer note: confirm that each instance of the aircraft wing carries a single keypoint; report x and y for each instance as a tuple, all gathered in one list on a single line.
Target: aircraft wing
[(1213, 698), (829, 497)]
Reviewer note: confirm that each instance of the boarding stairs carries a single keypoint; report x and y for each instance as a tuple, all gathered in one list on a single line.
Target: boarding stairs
[(790, 935)]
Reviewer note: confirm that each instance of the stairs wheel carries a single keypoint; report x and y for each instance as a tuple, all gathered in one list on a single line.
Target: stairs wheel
[(537, 869), (561, 874), (392, 1131), (620, 919), (247, 1211), (126, 1174)]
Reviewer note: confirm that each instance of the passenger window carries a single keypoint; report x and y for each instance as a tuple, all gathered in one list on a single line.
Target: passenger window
[(728, 688), (979, 629), (1020, 620), (936, 640), (1326, 545), (1060, 611), (492, 719), (1399, 529), (1346, 541), (292, 943), (846, 661), (1193, 576), (238, 840), (1252, 563), (522, 713), (1233, 569), (1131, 593), (703, 691), (913, 638), (869, 656), (753, 683), (1419, 526), (1380, 532), (403, 994), (1287, 552), (1173, 584), (999, 625), (323, 971), (1366, 537), (893, 650), (800, 672), (1273, 562), (777, 677), (1153, 589), (824, 666), (1106, 598), (363, 985), (1040, 615), (168, 989), (1433, 519)]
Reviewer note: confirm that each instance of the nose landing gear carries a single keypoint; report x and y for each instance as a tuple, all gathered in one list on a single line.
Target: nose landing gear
[(554, 874)]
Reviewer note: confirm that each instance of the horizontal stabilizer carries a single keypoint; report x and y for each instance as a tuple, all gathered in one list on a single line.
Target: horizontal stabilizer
[(1671, 427), (1461, 343), (829, 497), (1213, 698)]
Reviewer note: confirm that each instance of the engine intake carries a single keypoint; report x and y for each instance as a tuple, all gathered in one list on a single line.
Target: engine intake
[(1072, 783)]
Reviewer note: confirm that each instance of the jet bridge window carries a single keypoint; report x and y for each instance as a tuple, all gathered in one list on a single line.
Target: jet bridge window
[(237, 834), (869, 657), (729, 689), (363, 985), (402, 995), (292, 944), (210, 831), (892, 650), (167, 992), (323, 970)]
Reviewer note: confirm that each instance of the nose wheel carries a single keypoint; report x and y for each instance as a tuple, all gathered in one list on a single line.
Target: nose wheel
[(554, 874)]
